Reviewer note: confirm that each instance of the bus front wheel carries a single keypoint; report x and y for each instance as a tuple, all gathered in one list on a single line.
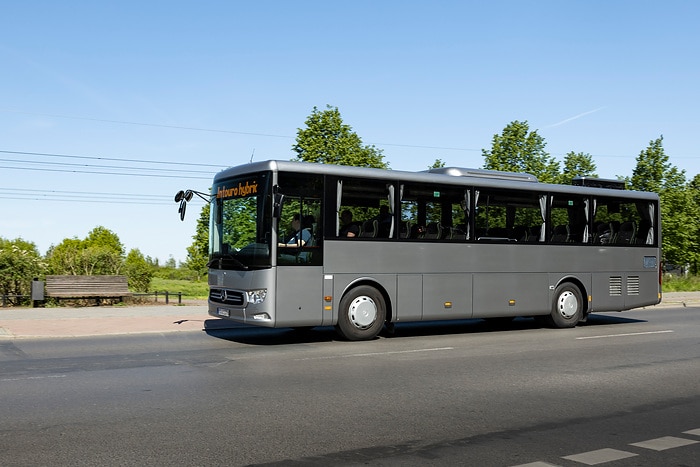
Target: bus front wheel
[(362, 313), (567, 308)]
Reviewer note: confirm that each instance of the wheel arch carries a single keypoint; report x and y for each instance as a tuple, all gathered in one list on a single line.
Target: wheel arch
[(372, 283)]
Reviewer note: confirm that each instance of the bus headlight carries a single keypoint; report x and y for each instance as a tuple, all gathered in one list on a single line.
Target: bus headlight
[(256, 296)]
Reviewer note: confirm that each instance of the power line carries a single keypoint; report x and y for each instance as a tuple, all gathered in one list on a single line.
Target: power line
[(87, 193), (140, 161), (27, 194), (64, 164), (105, 173), (81, 200)]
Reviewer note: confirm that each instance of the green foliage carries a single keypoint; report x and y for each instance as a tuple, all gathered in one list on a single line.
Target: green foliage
[(517, 149), (99, 253), (577, 165), (652, 166), (105, 239), (674, 283), (327, 140), (198, 251), (438, 164), (180, 273), (20, 262), (138, 271), (680, 211)]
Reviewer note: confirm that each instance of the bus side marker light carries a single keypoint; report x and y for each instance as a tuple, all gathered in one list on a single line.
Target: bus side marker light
[(511, 302), (448, 304), (328, 298), (590, 298), (328, 308)]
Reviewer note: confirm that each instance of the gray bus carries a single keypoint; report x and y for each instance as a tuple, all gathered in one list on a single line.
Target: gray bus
[(296, 244)]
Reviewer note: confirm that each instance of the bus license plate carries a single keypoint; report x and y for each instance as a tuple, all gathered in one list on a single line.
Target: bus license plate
[(223, 312)]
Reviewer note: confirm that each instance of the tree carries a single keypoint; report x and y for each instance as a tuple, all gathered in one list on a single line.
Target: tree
[(679, 209), (99, 253), (694, 193), (326, 139), (101, 237), (138, 271), (20, 262), (517, 149), (577, 165), (438, 164), (198, 251)]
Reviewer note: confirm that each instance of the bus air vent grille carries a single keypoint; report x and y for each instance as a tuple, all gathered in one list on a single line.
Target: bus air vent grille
[(633, 285), (616, 286), (228, 297)]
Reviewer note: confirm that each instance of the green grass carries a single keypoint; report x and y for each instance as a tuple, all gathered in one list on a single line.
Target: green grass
[(681, 284), (190, 289)]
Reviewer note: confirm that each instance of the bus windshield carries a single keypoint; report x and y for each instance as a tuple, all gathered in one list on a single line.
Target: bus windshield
[(240, 223)]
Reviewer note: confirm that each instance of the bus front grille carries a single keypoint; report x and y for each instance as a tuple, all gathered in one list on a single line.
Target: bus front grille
[(228, 297)]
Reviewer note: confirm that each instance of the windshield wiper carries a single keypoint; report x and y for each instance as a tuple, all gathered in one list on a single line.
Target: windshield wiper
[(220, 260)]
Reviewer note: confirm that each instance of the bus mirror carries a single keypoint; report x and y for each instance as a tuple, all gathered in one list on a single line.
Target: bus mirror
[(184, 196), (183, 206)]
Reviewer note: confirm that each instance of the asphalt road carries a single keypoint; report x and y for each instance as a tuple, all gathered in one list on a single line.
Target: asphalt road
[(621, 390)]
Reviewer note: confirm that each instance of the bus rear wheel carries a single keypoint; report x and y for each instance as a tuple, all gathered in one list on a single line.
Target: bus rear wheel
[(567, 307), (362, 313)]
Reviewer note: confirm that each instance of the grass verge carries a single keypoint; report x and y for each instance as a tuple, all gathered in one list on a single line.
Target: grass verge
[(189, 289)]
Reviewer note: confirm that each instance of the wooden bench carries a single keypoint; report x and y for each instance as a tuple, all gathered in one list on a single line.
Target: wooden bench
[(87, 287)]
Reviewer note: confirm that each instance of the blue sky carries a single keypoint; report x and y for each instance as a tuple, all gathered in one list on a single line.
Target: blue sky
[(108, 108)]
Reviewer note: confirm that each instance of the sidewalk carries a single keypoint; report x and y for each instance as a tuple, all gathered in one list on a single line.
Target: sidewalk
[(20, 323), (93, 321)]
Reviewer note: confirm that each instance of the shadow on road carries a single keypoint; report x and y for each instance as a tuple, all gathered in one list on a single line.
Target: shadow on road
[(253, 335)]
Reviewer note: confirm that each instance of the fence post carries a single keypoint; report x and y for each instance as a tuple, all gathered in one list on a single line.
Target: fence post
[(179, 298), (166, 297), (156, 292)]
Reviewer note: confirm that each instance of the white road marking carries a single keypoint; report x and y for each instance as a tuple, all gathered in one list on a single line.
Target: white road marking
[(26, 378), (625, 335), (666, 442), (695, 432), (600, 456), (372, 354), (537, 464)]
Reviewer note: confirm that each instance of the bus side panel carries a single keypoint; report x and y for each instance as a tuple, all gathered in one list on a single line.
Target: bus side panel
[(644, 281), (299, 296), (510, 294), (447, 296), (617, 291), (607, 292), (409, 298)]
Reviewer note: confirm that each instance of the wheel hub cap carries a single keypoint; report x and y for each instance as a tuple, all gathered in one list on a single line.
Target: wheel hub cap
[(568, 304), (362, 312)]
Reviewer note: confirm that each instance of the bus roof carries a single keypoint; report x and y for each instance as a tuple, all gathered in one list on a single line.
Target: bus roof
[(445, 175)]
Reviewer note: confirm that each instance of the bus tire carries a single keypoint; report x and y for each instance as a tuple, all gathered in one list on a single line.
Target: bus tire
[(567, 306), (362, 313)]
